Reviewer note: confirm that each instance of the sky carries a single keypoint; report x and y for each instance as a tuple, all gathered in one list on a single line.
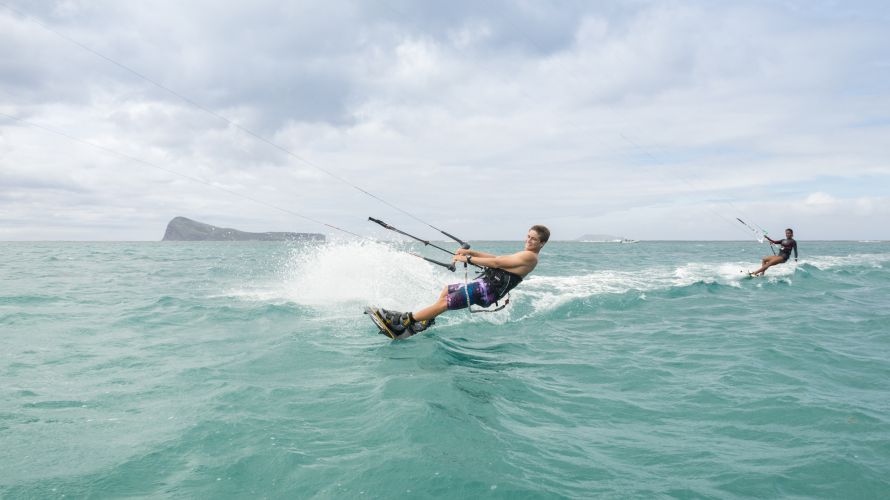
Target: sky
[(650, 120)]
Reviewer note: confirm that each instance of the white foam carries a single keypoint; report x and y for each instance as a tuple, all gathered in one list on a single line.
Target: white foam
[(338, 278), (550, 292), (367, 273), (826, 262), (343, 276), (726, 273)]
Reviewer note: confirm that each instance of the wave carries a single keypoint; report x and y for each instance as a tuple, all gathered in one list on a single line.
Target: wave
[(621, 289), (337, 279), (862, 260)]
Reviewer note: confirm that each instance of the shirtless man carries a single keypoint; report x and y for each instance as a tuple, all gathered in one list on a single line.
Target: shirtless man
[(502, 273)]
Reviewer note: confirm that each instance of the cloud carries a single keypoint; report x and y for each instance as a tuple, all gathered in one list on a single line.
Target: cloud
[(481, 115), (820, 203)]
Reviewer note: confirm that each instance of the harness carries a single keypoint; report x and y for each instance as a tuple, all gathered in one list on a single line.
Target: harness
[(500, 280), (785, 248)]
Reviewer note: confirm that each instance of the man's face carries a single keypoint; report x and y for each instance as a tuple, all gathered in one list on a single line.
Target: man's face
[(533, 240), (789, 233)]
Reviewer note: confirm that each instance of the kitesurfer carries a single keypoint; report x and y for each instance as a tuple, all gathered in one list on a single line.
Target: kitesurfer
[(501, 274), (786, 246)]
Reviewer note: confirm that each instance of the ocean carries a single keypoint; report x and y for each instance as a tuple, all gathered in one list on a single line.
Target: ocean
[(247, 370)]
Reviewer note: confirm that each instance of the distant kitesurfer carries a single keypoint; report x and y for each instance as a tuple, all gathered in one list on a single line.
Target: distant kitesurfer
[(786, 246), (501, 274)]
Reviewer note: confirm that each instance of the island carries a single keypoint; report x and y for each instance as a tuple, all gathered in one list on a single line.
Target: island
[(185, 229)]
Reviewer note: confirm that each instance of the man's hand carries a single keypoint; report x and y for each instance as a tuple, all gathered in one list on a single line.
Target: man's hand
[(462, 251)]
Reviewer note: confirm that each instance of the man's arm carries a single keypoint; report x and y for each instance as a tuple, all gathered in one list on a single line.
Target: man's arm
[(795, 250), (520, 263), (474, 253)]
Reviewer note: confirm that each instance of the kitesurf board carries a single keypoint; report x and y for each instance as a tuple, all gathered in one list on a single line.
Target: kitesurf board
[(385, 329), (378, 320)]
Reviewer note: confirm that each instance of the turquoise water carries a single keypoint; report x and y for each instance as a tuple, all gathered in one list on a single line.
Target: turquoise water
[(241, 370)]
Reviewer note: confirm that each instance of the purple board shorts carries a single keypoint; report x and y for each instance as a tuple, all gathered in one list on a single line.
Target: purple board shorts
[(481, 294)]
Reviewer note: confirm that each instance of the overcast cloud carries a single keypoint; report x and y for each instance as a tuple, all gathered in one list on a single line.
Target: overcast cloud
[(651, 120)]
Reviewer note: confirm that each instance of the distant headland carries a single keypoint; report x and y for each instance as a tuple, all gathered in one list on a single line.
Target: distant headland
[(184, 229)]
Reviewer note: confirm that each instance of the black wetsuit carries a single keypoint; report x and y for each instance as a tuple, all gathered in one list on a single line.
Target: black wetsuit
[(786, 246)]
